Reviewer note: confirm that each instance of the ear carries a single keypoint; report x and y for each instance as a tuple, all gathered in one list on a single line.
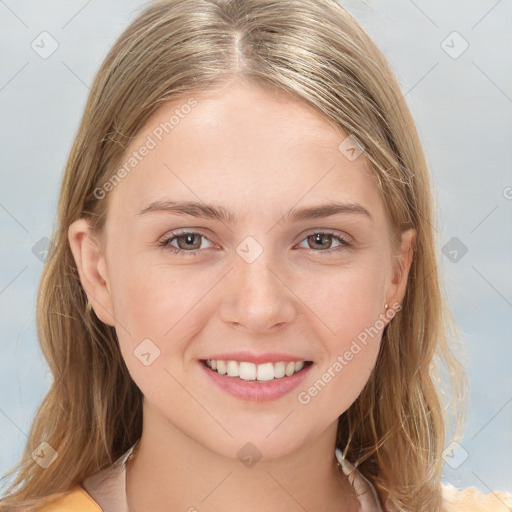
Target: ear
[(401, 266), (92, 269)]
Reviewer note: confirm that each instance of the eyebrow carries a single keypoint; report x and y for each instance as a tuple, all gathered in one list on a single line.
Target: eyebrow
[(215, 212)]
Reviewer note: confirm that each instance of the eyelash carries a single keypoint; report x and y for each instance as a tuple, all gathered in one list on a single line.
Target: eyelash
[(345, 244)]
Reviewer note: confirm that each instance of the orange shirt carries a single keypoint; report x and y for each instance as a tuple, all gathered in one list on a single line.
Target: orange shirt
[(77, 500)]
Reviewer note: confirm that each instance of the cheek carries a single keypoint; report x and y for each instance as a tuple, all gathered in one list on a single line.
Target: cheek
[(150, 299), (347, 308), (167, 307), (345, 299), (157, 318), (342, 374)]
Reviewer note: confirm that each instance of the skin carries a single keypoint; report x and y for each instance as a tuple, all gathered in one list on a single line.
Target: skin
[(258, 153)]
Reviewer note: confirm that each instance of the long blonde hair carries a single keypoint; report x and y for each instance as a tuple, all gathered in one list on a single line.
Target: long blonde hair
[(316, 51)]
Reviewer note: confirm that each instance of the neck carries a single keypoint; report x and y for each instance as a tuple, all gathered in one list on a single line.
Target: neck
[(172, 472)]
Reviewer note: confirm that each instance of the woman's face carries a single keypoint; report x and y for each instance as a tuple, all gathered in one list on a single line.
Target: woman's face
[(269, 271)]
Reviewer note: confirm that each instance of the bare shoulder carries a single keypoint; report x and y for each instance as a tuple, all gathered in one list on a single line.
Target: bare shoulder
[(474, 500), (77, 499)]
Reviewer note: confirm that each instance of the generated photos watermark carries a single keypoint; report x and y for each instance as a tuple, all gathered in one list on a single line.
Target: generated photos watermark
[(151, 142), (304, 397)]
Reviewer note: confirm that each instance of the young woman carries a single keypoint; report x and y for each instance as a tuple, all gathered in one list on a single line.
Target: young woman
[(243, 308)]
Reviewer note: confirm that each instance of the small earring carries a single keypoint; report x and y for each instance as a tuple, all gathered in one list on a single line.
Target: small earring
[(386, 305)]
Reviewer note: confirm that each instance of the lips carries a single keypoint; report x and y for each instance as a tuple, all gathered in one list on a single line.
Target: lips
[(256, 390)]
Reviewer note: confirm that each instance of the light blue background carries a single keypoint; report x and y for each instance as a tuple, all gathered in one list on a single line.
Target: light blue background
[(463, 109)]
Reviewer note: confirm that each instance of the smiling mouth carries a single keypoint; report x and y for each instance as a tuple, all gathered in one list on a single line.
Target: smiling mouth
[(256, 372)]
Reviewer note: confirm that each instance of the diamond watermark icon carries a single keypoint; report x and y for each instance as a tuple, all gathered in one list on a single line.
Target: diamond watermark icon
[(44, 45), (351, 147), (454, 45), (146, 352), (44, 454), (249, 455), (249, 249), (455, 455), (454, 249), (42, 248)]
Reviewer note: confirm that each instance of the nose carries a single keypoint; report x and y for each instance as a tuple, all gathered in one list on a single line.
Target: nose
[(258, 295)]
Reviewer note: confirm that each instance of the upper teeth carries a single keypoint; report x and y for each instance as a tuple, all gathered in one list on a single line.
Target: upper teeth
[(252, 371)]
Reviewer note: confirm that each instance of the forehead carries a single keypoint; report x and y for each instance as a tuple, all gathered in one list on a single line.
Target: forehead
[(250, 148)]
